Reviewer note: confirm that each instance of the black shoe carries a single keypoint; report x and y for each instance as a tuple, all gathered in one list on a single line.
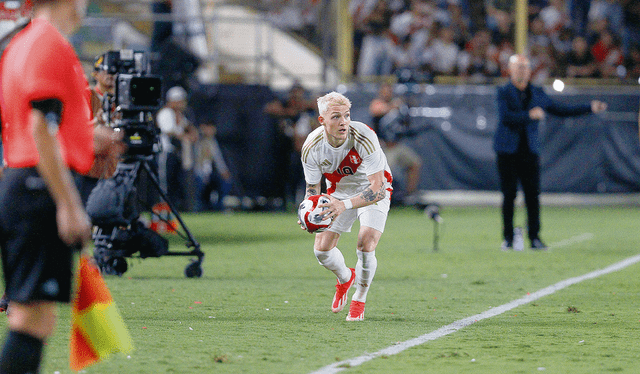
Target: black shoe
[(538, 245)]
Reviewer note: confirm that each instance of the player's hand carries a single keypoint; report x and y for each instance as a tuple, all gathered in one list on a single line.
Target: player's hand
[(302, 227), (598, 106), (334, 207), (106, 141), (537, 113), (74, 225)]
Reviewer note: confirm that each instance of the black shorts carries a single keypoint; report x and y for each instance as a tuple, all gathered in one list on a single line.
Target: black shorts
[(37, 265)]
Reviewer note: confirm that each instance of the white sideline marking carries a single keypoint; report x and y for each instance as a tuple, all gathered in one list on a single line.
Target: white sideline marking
[(457, 325), (576, 239)]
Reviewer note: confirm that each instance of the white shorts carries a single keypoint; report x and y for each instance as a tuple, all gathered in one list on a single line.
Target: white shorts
[(374, 216)]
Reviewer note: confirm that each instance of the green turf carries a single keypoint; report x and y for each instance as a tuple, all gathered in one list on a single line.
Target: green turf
[(262, 305)]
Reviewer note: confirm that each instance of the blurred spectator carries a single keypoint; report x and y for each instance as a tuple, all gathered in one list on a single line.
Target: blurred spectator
[(406, 65), (609, 10), (561, 46), (631, 11), (499, 13), (442, 55), (555, 17), (377, 46), (538, 36), (607, 54), (503, 30), (477, 14), (391, 123), (176, 161), (479, 58), (413, 28), (632, 62), (536, 6), (294, 116), (596, 27), (383, 104), (580, 62), (211, 171), (460, 22), (541, 64), (579, 12), (359, 10)]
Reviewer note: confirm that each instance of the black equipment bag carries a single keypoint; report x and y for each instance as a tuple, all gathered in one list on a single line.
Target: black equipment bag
[(112, 202)]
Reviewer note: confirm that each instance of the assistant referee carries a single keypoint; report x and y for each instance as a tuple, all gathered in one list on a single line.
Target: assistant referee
[(46, 134)]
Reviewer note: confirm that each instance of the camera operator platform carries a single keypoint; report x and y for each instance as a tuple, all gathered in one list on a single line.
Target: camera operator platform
[(112, 205)]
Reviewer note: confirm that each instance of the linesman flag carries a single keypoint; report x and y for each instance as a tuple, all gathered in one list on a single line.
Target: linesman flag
[(97, 330)]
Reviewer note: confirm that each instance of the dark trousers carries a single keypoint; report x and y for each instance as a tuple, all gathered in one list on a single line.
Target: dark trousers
[(523, 168)]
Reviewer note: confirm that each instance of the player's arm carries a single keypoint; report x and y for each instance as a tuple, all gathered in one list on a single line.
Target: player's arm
[(312, 189), (371, 195), (73, 223)]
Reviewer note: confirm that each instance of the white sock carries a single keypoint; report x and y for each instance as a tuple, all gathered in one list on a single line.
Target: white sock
[(334, 261), (365, 270)]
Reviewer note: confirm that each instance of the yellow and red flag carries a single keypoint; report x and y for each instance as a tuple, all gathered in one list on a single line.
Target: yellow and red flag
[(97, 330)]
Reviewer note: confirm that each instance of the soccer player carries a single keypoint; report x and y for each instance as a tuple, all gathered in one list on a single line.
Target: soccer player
[(46, 133), (358, 179)]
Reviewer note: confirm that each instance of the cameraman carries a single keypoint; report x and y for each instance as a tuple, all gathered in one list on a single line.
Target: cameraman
[(178, 137), (107, 156)]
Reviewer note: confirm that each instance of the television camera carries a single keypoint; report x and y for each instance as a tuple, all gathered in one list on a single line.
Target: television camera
[(137, 96), (112, 204)]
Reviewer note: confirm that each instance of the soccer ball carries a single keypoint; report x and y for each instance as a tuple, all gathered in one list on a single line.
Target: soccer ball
[(310, 215)]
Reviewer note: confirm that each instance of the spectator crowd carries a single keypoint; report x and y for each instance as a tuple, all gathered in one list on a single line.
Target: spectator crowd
[(417, 40)]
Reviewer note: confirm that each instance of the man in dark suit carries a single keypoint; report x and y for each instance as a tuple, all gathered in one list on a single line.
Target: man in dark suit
[(521, 107)]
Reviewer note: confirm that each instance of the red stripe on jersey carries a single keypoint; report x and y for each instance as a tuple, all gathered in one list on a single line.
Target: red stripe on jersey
[(348, 166), (389, 179)]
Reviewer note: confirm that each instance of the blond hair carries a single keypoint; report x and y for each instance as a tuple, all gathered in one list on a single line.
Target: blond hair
[(332, 98)]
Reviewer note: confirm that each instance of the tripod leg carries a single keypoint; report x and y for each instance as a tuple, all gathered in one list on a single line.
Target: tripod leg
[(156, 183)]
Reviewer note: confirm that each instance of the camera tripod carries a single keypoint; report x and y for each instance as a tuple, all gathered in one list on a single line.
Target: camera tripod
[(119, 234)]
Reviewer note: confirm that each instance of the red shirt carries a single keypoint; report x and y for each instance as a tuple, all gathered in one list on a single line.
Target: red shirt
[(39, 64)]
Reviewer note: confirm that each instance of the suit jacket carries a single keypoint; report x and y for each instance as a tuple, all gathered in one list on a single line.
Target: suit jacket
[(513, 117)]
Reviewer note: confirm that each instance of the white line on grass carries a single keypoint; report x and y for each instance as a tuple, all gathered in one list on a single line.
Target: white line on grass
[(573, 240), (457, 325)]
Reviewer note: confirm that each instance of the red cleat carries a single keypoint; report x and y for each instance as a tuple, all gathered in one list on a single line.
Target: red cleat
[(340, 298), (356, 311)]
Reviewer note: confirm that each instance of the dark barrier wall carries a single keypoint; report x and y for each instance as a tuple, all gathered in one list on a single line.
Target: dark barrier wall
[(454, 128)]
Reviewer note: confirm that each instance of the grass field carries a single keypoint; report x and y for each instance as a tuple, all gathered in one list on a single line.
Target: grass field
[(262, 305)]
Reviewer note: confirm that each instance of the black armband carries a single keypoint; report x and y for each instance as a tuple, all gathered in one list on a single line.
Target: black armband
[(52, 111)]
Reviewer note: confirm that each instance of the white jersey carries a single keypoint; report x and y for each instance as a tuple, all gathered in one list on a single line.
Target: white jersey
[(346, 168)]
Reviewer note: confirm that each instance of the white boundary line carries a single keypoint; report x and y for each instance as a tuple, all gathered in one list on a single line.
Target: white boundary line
[(457, 325), (576, 239)]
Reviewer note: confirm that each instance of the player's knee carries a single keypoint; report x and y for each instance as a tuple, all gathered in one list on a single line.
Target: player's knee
[(321, 255), (36, 319)]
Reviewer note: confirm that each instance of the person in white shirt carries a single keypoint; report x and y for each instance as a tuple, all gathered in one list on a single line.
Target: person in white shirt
[(358, 181), (177, 136)]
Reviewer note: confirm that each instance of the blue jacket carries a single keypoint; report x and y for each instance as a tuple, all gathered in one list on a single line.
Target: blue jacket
[(513, 117)]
